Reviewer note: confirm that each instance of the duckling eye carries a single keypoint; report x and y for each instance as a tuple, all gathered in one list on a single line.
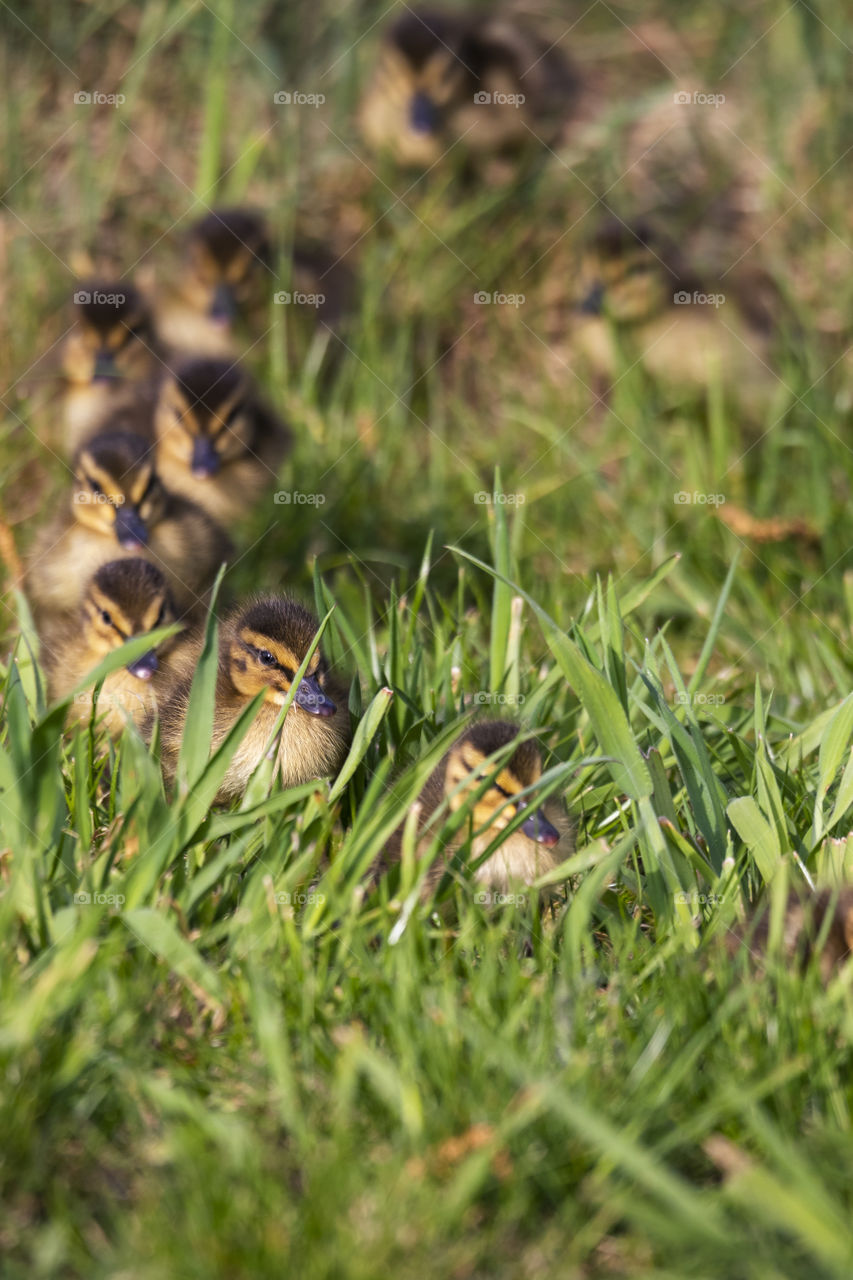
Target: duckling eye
[(265, 658), (94, 486), (106, 618)]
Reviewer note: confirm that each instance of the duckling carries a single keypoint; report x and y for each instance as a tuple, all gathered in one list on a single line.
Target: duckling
[(805, 920), (639, 303), (224, 276), (217, 442), (261, 645), (488, 83), (529, 852), (123, 599), (110, 351), (118, 509)]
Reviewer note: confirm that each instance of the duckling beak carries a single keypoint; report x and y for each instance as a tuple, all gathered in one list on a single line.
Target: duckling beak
[(143, 668), (538, 828), (311, 698), (222, 308), (423, 115), (205, 461), (593, 303), (105, 365), (130, 528)]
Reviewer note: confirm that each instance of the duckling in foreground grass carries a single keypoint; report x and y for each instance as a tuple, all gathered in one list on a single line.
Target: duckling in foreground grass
[(819, 924), (110, 352), (534, 848), (217, 442), (224, 276), (639, 304), (118, 508), (124, 599), (486, 82), (261, 645)]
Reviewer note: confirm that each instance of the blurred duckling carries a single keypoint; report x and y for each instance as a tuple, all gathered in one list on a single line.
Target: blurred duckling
[(261, 645), (124, 599), (217, 442), (118, 508), (110, 352), (484, 81), (223, 278), (531, 850), (639, 304), (820, 924)]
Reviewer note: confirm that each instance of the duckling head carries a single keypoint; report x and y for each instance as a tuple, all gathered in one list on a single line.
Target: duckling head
[(468, 766), (126, 598), (202, 417), (116, 490), (113, 336), (626, 274), (226, 265), (268, 642), (420, 78)]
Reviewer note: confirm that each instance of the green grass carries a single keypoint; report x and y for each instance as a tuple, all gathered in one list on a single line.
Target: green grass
[(224, 1053)]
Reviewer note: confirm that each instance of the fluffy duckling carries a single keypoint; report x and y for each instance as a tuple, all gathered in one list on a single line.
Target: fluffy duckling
[(638, 303), (486, 82), (804, 924), (124, 599), (261, 645), (525, 855), (217, 442), (118, 509), (224, 276), (109, 352)]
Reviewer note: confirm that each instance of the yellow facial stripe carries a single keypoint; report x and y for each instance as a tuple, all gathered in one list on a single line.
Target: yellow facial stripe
[(283, 655), (140, 484), (152, 613), (90, 472)]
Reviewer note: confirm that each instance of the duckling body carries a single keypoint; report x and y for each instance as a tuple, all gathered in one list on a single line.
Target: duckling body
[(118, 508), (223, 278), (487, 83), (828, 913), (218, 444), (533, 849), (640, 305), (260, 648), (123, 599), (109, 354)]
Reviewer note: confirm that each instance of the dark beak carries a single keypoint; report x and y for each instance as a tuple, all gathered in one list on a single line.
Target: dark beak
[(538, 828), (222, 308), (105, 365), (145, 666), (423, 115), (131, 530), (311, 698), (205, 461), (593, 303)]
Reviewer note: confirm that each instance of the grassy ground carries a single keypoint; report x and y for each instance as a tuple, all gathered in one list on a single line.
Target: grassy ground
[(233, 1061)]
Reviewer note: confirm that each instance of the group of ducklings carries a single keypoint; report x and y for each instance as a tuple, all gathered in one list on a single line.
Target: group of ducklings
[(171, 445)]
